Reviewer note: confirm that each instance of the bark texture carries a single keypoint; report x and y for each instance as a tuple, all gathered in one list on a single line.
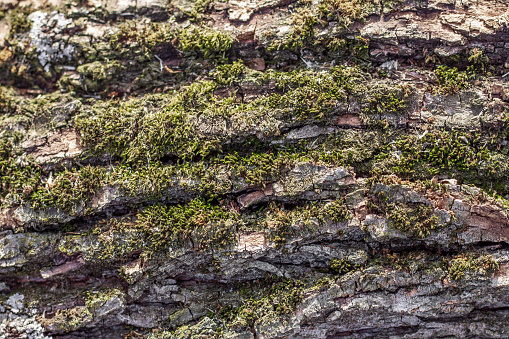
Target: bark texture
[(254, 169)]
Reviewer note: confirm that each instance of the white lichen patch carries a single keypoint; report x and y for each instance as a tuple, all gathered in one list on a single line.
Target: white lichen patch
[(43, 33), (18, 321), (22, 327), (16, 302)]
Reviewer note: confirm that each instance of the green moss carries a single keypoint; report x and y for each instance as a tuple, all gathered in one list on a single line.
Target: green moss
[(69, 320), (145, 129), (386, 100), (72, 191), (145, 38), (302, 21), (279, 225), (419, 159), (97, 299), (199, 8), (464, 156), (19, 22), (410, 262), (417, 220), (463, 264), (19, 176), (282, 224), (68, 189), (345, 12), (7, 102), (340, 266), (264, 305), (478, 62), (258, 168), (227, 75), (305, 21), (98, 75), (202, 40), (206, 41), (197, 223), (134, 58), (336, 211), (450, 81), (72, 319), (137, 131), (314, 95)]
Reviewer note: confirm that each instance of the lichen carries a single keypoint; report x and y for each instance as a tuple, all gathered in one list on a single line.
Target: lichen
[(47, 48)]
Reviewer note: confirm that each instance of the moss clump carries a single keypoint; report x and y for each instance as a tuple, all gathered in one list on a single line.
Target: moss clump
[(314, 95), (340, 266), (98, 75), (72, 191), (336, 211), (478, 62), (386, 100), (303, 21), (200, 7), (281, 224), (308, 18), (145, 129), (417, 220), (450, 81), (151, 182), (97, 299), (258, 168), (227, 75), (200, 224), (265, 305), (72, 319), (345, 12), (410, 262), (206, 41), (441, 150), (465, 156), (141, 41), (463, 264), (359, 149), (68, 189), (137, 131), (68, 320), (19, 176), (7, 103), (19, 22)]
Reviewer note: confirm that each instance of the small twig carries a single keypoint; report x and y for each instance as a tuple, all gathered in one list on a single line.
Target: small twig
[(170, 70), (160, 62), (423, 135)]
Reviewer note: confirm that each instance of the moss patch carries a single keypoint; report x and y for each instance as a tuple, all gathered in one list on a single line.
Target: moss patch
[(462, 265), (277, 298), (450, 81), (203, 225)]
